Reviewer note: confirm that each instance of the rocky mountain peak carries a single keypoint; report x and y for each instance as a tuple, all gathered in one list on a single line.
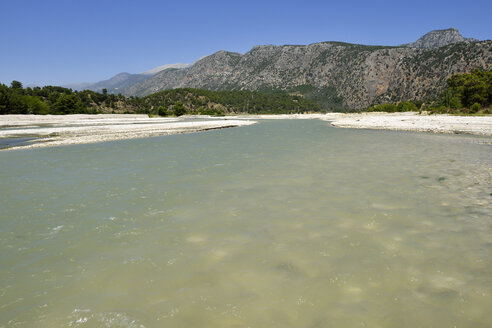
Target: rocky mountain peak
[(439, 38)]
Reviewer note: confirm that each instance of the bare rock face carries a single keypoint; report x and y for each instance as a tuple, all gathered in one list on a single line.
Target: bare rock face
[(338, 75), (439, 38)]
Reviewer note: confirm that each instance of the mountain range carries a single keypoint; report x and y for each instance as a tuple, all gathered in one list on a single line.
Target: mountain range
[(335, 74), (119, 82)]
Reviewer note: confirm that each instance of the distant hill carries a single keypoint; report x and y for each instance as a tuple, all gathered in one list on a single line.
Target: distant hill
[(119, 83), (336, 74), (58, 100)]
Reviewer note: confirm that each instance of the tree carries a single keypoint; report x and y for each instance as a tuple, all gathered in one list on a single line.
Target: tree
[(68, 104), (16, 104), (406, 106), (475, 108), (179, 108), (162, 111), (16, 85), (36, 106), (475, 87)]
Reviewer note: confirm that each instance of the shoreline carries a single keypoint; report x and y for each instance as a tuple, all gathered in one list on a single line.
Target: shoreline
[(409, 121), (56, 130), (402, 121)]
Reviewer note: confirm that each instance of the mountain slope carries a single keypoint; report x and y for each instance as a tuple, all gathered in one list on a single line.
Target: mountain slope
[(163, 67), (119, 83), (337, 74)]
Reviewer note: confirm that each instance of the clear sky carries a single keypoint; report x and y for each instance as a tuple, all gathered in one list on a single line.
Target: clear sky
[(63, 41)]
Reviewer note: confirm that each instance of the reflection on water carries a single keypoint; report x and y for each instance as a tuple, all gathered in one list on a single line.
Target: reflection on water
[(281, 224), (16, 141)]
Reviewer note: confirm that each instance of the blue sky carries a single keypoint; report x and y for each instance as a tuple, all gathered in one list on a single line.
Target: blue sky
[(58, 42)]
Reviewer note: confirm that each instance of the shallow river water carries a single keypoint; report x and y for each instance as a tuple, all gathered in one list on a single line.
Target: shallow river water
[(286, 223)]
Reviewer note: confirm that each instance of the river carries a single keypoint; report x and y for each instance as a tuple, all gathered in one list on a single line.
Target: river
[(285, 223)]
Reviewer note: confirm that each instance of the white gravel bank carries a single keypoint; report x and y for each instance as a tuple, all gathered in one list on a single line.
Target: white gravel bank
[(80, 129), (481, 125)]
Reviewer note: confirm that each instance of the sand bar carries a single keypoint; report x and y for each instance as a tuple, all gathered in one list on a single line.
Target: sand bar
[(56, 130), (480, 125)]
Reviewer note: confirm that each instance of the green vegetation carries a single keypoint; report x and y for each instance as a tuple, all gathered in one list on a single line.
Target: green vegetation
[(326, 98), (205, 102), (403, 106), (57, 100), (465, 94), (465, 90)]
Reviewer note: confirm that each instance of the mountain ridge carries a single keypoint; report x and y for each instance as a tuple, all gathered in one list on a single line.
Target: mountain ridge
[(337, 74), (334, 73), (157, 69), (121, 81)]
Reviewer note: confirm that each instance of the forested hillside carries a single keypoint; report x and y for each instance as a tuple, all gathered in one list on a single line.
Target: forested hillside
[(57, 100), (196, 101)]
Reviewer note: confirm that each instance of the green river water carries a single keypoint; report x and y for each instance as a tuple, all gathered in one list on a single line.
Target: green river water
[(286, 223)]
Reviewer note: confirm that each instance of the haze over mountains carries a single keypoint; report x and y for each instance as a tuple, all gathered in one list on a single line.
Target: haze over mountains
[(336, 74), (119, 82)]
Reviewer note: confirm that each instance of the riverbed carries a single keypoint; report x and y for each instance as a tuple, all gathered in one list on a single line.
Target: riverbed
[(35, 131), (284, 223)]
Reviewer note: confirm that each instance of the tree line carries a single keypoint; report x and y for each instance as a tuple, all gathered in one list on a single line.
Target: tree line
[(58, 100), (15, 99)]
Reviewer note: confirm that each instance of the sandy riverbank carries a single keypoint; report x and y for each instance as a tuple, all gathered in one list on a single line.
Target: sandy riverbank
[(480, 125), (55, 130), (284, 116)]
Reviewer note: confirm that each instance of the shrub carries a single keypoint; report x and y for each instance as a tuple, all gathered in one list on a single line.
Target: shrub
[(179, 108), (475, 107), (162, 111), (210, 111), (407, 106)]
